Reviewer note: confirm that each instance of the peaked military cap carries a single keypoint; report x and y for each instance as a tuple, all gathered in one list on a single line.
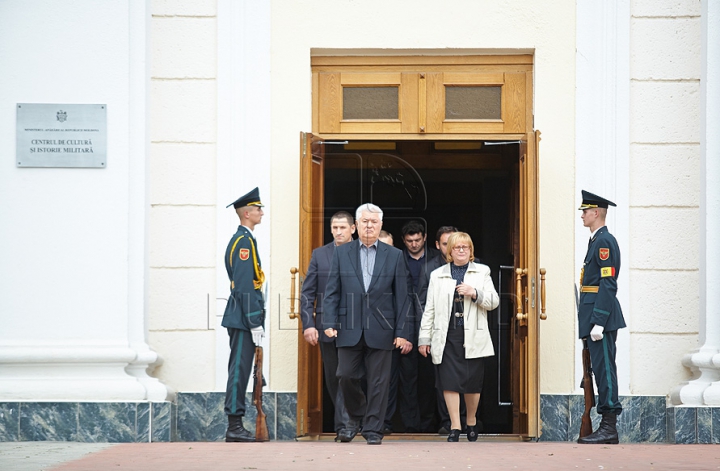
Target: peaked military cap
[(594, 201), (250, 199)]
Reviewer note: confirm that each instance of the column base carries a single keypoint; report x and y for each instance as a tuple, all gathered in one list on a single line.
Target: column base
[(76, 373)]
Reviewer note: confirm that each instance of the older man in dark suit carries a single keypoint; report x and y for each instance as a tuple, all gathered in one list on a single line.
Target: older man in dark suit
[(366, 309), (313, 292)]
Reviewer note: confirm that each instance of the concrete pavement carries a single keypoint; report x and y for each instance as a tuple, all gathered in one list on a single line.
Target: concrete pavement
[(320, 455)]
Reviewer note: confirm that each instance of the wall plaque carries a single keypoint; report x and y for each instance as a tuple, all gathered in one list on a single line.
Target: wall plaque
[(61, 135)]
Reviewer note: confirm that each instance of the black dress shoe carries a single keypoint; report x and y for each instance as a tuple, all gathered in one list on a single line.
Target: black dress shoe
[(472, 433), (374, 438), (454, 435), (347, 434), (444, 430)]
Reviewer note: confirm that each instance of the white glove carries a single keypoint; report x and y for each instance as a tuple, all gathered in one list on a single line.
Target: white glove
[(597, 333), (257, 334)]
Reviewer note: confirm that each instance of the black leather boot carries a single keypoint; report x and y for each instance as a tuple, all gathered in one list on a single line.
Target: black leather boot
[(236, 432), (606, 434)]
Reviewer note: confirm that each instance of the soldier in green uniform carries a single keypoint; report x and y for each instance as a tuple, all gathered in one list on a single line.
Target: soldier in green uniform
[(599, 314), (244, 315)]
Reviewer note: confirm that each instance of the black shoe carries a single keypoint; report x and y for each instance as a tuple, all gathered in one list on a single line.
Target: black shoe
[(444, 430), (472, 433), (606, 434), (387, 430), (373, 438), (454, 435), (236, 432), (347, 434)]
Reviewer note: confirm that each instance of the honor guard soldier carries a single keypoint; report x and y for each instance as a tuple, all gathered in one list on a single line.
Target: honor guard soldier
[(244, 315), (599, 314)]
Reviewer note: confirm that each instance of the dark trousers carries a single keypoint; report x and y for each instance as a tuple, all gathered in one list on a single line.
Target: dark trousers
[(403, 390), (242, 353), (602, 357), (352, 362), (426, 394), (329, 354)]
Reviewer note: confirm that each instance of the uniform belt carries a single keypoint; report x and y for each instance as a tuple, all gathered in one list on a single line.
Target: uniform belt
[(589, 289)]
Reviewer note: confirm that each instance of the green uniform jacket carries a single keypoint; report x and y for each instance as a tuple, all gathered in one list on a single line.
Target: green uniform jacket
[(599, 274), (245, 308)]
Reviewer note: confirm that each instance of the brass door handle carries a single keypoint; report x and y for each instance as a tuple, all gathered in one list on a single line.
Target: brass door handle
[(543, 316), (519, 273), (293, 272)]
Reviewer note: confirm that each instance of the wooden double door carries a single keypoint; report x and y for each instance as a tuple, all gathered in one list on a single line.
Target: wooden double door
[(486, 187)]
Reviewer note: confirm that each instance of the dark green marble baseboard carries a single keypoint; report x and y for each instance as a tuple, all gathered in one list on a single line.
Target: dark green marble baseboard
[(645, 419), (197, 417), (192, 417)]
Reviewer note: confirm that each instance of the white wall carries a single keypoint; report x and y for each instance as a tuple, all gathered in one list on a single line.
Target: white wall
[(664, 191), (72, 240), (545, 27)]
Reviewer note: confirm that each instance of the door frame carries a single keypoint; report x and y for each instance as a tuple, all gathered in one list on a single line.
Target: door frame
[(309, 406)]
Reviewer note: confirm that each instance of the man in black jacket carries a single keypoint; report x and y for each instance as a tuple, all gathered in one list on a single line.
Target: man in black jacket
[(412, 381), (311, 299)]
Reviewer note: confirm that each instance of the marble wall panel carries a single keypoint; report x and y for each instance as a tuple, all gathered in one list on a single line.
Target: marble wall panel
[(51, 421), (685, 426), (555, 418), (201, 417), (704, 424), (653, 419), (629, 423), (286, 413), (100, 422), (161, 422), (143, 421), (670, 423), (9, 421)]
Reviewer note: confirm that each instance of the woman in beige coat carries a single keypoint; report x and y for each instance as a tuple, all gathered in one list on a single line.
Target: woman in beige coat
[(454, 329)]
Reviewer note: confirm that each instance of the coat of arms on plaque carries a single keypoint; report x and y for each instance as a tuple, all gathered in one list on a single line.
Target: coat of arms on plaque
[(61, 116)]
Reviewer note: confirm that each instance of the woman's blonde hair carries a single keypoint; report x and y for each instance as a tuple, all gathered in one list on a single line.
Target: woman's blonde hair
[(456, 238)]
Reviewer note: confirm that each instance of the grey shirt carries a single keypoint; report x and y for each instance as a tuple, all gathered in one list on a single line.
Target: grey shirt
[(367, 261)]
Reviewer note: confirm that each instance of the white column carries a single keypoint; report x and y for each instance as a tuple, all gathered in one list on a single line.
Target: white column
[(603, 142), (243, 149), (73, 240), (705, 361)]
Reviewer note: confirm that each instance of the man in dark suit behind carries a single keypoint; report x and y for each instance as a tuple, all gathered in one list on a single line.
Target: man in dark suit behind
[(311, 298), (412, 384), (366, 308)]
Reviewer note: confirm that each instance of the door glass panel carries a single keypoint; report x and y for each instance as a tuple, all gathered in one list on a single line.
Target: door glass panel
[(370, 102), (472, 102)]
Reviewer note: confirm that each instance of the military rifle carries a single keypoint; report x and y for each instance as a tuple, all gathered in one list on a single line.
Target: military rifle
[(261, 430), (588, 391)]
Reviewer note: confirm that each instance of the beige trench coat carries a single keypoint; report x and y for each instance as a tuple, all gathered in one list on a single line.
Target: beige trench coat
[(436, 318)]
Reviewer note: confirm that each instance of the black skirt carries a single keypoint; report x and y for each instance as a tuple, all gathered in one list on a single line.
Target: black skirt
[(455, 372)]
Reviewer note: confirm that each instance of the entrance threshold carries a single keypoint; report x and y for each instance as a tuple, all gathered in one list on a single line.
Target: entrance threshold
[(421, 437)]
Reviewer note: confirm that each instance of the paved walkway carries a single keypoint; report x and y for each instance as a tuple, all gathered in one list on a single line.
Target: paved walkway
[(320, 456)]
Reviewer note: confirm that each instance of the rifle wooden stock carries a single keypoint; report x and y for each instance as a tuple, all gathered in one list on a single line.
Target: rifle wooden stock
[(261, 430), (588, 391)]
